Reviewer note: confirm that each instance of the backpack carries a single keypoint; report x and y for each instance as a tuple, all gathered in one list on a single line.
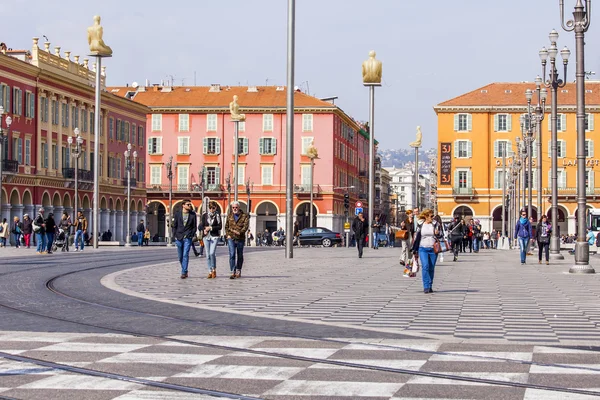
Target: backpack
[(598, 240)]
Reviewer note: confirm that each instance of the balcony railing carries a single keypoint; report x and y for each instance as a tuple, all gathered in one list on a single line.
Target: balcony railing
[(10, 166), (463, 191), (192, 187), (132, 181), (573, 191), (305, 189), (83, 175)]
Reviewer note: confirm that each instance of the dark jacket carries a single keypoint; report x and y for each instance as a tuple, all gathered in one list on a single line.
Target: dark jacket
[(523, 230), (457, 230), (360, 228), (538, 233), (417, 241), (215, 227), (50, 225), (27, 229), (141, 228), (39, 221), (237, 229), (13, 228), (376, 226), (184, 231)]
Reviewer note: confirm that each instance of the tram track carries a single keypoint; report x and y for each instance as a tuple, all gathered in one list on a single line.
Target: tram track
[(50, 286)]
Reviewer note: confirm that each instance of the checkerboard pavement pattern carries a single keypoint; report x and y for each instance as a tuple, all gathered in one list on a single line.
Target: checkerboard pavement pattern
[(486, 296), (285, 379)]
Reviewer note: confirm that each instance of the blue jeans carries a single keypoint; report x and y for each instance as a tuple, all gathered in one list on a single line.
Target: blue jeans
[(41, 242), (236, 246), (17, 239), (141, 238), (428, 259), (79, 237), (523, 245), (475, 244), (183, 252), (211, 252), (376, 240), (50, 239)]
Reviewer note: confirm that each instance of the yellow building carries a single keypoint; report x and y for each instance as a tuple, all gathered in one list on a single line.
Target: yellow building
[(471, 128)]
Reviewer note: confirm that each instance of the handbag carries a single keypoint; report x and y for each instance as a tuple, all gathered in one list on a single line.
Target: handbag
[(437, 247), (402, 234), (445, 246)]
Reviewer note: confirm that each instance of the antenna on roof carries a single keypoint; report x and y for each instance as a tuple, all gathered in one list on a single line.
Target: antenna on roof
[(267, 82), (194, 78)]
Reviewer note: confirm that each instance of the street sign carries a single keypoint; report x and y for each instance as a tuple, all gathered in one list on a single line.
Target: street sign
[(358, 204), (358, 210), (347, 226)]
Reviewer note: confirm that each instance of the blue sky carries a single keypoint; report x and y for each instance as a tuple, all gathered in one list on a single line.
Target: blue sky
[(431, 50)]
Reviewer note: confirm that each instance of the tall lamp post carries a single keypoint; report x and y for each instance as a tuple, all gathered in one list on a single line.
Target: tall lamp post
[(528, 138), (554, 83), (130, 166), (289, 152), (8, 123), (249, 187), (169, 167), (542, 95), (371, 72), (236, 117), (580, 24), (202, 188), (75, 154), (313, 154)]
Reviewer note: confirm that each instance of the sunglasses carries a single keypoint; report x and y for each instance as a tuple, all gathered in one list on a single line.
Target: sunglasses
[(235, 208)]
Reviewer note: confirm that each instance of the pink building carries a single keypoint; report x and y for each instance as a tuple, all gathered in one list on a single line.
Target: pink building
[(193, 125)]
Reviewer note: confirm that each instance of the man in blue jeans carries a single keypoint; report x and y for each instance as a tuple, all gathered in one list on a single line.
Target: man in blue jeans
[(376, 232), (184, 230), (236, 227), (140, 232), (524, 234)]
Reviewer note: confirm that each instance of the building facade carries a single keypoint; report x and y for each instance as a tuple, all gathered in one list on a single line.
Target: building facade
[(471, 131), (193, 126), (48, 95)]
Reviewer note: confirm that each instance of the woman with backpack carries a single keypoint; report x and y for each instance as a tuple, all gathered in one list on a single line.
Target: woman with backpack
[(543, 231), (210, 226)]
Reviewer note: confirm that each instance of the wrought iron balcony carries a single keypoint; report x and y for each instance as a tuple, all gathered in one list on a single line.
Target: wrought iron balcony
[(467, 192), (304, 190), (83, 175), (572, 192), (10, 166), (193, 187)]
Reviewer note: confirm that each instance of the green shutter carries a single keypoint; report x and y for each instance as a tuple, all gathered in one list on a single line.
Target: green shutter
[(205, 145), (456, 178), (496, 122), (274, 146), (456, 148), (469, 149), (261, 146), (469, 122), (218, 175), (455, 122), (245, 145), (497, 149), (509, 122), (218, 146), (149, 146)]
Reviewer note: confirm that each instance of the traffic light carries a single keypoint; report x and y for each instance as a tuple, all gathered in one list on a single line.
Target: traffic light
[(346, 201)]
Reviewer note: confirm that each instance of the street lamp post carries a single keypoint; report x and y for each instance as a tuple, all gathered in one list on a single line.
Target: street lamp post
[(289, 152), (169, 167), (528, 139), (371, 71), (228, 182), (580, 24), (249, 187), (204, 207), (503, 229), (75, 154), (130, 166), (313, 154), (8, 123), (542, 95), (554, 83)]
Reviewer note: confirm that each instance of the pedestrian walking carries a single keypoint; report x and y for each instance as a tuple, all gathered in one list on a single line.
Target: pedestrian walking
[(249, 238), (360, 227), (4, 232), (27, 230), (140, 232), (236, 227), (524, 234), (39, 228), (426, 236), (210, 226), (456, 234), (50, 232), (543, 231), (184, 229), (405, 236), (147, 236), (64, 227), (16, 231), (81, 226), (376, 232)]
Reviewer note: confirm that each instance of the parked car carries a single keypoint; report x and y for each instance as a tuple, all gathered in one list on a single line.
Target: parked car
[(319, 236)]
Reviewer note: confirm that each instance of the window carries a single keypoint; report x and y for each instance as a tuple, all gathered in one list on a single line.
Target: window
[(92, 123), (182, 176), (183, 145), (156, 122), (589, 179), (65, 157), (85, 159), (266, 174), (84, 120), (140, 135), (589, 148), (211, 123), (132, 138), (29, 105), (499, 178), (561, 181), (561, 123), (75, 116), (589, 122), (18, 150), (27, 151), (242, 126), (402, 188), (54, 112), (462, 178), (44, 155), (126, 131), (243, 146), (306, 141), (499, 147), (118, 168), (54, 156), (307, 122), (267, 146), (212, 145), (463, 122), (525, 122), (184, 122), (305, 175), (44, 107), (502, 123), (213, 176), (5, 97), (111, 128), (63, 109), (118, 133), (561, 148), (463, 149), (17, 101), (267, 122), (155, 174), (155, 145)]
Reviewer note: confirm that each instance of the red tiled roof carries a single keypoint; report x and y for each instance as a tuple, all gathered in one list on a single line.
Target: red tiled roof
[(201, 96), (513, 94)]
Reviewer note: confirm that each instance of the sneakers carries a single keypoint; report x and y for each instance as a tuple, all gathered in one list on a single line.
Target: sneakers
[(402, 263), (183, 276), (76, 249), (238, 273)]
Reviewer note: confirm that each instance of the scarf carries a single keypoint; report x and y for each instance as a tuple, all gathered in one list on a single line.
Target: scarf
[(210, 218), (523, 220)]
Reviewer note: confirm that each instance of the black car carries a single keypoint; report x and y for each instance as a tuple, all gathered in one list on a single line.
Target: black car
[(319, 236)]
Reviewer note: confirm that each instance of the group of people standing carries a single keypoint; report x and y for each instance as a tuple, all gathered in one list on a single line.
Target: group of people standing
[(186, 228), (45, 229)]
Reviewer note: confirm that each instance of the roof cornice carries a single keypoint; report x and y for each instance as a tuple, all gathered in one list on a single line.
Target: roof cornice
[(495, 109)]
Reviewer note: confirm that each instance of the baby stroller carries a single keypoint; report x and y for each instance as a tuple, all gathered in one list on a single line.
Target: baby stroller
[(60, 242)]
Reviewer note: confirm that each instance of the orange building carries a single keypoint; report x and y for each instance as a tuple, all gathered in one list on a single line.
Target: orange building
[(471, 128)]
